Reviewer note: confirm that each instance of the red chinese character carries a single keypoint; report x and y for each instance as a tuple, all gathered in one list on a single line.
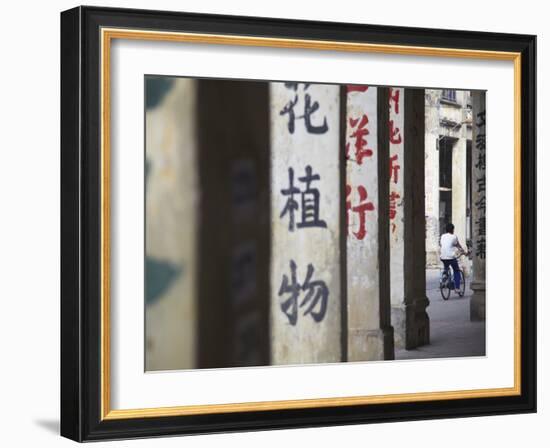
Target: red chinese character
[(360, 126), (394, 196), (394, 169), (355, 88), (394, 97), (395, 134), (360, 209)]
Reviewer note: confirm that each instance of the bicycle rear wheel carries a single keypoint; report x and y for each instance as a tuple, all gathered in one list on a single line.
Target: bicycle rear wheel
[(444, 287), (462, 288)]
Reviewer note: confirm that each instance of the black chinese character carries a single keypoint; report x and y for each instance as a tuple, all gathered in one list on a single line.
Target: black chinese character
[(309, 109), (480, 181), (481, 204), (480, 142), (480, 247), (481, 119), (315, 300), (310, 201), (480, 163), (481, 226)]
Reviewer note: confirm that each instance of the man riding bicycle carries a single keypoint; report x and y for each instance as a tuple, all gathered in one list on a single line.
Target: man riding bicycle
[(449, 243)]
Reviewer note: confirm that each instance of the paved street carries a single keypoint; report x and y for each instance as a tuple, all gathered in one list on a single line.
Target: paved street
[(452, 333)]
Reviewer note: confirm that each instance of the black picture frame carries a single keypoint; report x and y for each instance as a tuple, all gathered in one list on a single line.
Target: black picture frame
[(81, 224)]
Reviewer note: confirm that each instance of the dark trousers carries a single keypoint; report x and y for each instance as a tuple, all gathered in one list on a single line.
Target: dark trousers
[(454, 264)]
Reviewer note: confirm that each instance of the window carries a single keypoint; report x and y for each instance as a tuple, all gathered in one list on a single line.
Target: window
[(449, 95)]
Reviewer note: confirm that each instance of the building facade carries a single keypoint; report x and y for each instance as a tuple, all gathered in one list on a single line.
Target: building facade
[(448, 155)]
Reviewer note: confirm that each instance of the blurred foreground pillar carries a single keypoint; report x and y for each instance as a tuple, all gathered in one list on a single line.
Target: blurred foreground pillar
[(233, 152), (171, 204)]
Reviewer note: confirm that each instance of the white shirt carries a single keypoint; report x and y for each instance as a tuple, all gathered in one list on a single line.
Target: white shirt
[(448, 246)]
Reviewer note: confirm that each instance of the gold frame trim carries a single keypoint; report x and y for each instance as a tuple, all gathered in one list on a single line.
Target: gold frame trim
[(107, 35)]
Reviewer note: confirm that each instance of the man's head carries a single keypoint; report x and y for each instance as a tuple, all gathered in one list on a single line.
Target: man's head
[(450, 228)]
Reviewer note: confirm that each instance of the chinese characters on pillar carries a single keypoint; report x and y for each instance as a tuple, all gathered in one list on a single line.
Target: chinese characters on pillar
[(360, 141), (396, 155), (314, 302), (305, 216), (480, 184)]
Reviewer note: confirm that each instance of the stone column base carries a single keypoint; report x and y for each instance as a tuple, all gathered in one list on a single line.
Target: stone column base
[(399, 324), (477, 302), (371, 345), (422, 330), (411, 325)]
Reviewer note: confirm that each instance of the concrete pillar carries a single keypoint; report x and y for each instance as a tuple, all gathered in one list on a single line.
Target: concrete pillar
[(431, 169), (234, 233), (396, 214), (417, 323), (171, 225), (408, 317), (305, 223), (459, 203), (370, 335), (477, 302)]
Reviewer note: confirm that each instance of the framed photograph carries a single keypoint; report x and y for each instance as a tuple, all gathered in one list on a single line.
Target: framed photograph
[(271, 224)]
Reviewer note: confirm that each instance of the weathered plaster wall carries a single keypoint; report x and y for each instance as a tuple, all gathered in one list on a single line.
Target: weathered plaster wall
[(368, 301)]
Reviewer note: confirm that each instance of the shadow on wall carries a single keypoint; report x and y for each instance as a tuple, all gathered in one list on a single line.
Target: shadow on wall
[(156, 89), (160, 275)]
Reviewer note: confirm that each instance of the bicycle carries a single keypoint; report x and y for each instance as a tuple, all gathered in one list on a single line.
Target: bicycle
[(446, 281)]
